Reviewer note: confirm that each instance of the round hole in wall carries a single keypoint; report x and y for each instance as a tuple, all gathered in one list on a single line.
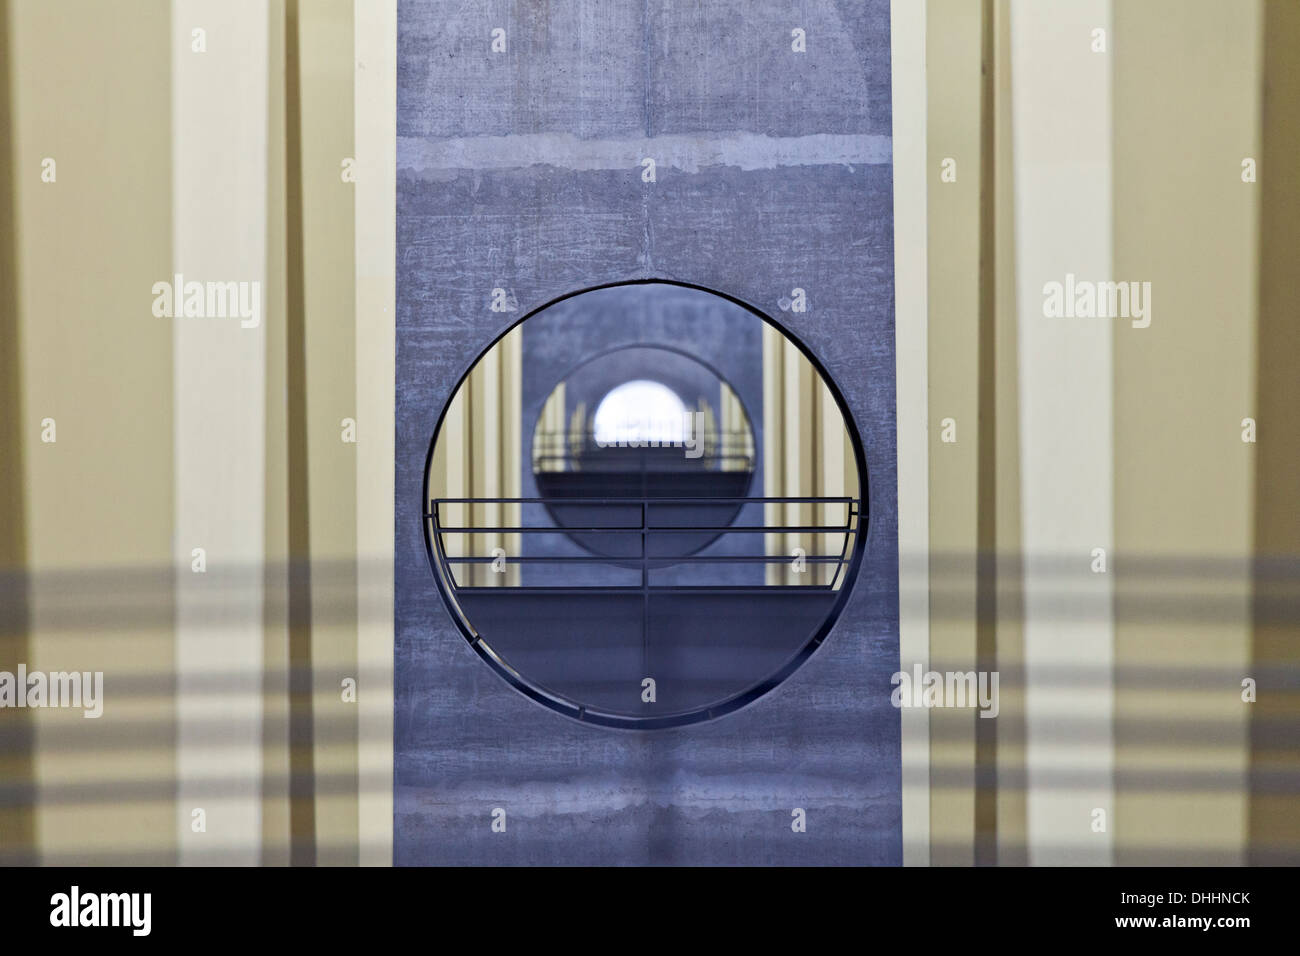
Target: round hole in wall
[(607, 429), (645, 505)]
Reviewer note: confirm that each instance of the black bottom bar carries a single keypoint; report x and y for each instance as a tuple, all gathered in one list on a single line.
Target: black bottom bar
[(933, 909)]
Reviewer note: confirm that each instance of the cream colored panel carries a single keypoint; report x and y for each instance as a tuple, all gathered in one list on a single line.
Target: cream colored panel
[(99, 505), (219, 133), (1188, 75), (998, 232), (277, 812), (952, 40), (375, 124), (1274, 824), (327, 78), (1062, 129)]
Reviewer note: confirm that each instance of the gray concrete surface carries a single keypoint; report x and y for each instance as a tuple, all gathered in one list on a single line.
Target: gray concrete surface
[(522, 170)]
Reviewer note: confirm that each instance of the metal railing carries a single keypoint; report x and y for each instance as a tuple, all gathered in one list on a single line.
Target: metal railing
[(643, 528)]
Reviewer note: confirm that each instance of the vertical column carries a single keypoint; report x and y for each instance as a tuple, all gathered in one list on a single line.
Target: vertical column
[(512, 444), (219, 135), (93, 214), (375, 124), (953, 36), (834, 455), (999, 333), (1275, 740), (285, 829), (1188, 94), (774, 451), (1062, 139), (17, 762), (450, 478), (799, 421), (328, 386)]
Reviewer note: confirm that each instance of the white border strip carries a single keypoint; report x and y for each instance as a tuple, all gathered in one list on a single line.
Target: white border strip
[(375, 38), (219, 150)]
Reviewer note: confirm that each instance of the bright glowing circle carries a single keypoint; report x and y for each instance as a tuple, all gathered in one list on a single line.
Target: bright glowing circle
[(638, 413)]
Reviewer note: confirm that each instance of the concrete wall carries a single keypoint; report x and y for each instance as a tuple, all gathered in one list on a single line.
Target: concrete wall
[(522, 170)]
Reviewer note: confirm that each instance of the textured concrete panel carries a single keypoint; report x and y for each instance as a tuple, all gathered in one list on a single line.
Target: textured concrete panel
[(729, 64), (769, 191)]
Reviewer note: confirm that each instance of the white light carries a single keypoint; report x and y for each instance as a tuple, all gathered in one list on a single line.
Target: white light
[(640, 412)]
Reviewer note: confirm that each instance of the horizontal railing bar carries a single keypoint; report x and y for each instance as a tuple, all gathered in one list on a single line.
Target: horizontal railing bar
[(666, 562), (655, 588), (703, 457), (654, 529), (592, 431), (615, 466), (590, 441), (639, 501)]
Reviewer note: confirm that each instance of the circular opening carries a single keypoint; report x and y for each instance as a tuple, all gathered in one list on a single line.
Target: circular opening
[(605, 429), (645, 505)]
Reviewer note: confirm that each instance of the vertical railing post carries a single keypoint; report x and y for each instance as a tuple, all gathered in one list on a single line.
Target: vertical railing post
[(645, 590)]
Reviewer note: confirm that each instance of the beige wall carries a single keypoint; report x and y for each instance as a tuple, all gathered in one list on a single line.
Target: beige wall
[(1127, 163), (328, 351), (953, 52), (17, 823), (375, 142), (1061, 143), (219, 133), (99, 501), (223, 164), (1274, 825), (1187, 76)]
